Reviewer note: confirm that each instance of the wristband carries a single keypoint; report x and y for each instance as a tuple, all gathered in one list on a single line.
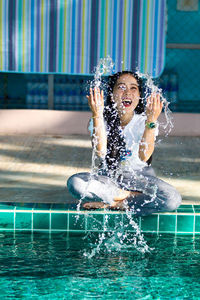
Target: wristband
[(151, 125), (95, 117)]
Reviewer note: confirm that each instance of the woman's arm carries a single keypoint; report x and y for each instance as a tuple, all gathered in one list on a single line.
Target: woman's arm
[(99, 137), (153, 110)]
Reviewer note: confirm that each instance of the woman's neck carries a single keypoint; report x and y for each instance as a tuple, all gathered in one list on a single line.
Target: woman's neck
[(125, 119)]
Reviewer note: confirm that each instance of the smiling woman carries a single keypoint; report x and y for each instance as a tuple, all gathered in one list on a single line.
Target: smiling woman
[(126, 94), (123, 137)]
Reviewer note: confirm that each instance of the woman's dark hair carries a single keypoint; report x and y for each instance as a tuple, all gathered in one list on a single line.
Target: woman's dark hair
[(116, 145)]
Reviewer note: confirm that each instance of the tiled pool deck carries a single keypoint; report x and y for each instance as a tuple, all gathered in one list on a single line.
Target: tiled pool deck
[(58, 218), (34, 170)]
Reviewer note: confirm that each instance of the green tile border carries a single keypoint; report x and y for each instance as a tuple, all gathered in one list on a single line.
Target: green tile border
[(7, 220), (23, 221), (185, 223), (150, 223), (77, 222), (167, 223), (197, 224), (59, 221), (58, 218)]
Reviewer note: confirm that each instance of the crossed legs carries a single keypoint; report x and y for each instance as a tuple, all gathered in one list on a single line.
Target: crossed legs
[(144, 194)]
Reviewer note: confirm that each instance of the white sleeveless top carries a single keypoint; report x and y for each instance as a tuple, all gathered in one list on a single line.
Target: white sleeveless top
[(133, 133)]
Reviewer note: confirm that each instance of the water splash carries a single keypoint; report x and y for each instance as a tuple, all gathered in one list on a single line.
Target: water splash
[(104, 67), (150, 87), (120, 237)]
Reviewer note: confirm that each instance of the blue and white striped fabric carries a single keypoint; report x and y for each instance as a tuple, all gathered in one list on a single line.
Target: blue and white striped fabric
[(70, 36)]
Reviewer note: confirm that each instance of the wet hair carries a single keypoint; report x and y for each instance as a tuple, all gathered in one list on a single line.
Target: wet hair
[(116, 145)]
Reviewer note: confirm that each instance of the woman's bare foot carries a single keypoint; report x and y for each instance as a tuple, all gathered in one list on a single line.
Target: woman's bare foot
[(118, 201), (123, 194), (119, 205), (95, 205), (98, 205)]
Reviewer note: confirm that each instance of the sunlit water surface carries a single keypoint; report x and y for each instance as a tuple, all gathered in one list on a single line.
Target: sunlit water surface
[(57, 267)]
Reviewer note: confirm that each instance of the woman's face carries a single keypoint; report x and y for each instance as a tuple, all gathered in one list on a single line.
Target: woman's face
[(126, 94)]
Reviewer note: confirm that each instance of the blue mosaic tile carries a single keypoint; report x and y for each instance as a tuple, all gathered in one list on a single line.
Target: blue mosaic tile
[(6, 206), (58, 217), (43, 206), (167, 223), (60, 206), (185, 209), (59, 221), (197, 209), (41, 221), (185, 223), (95, 222), (149, 223), (77, 222), (23, 221), (197, 224), (112, 221), (7, 220), (130, 223)]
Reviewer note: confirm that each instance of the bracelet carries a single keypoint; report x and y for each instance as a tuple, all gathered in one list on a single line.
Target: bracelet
[(96, 117), (151, 125)]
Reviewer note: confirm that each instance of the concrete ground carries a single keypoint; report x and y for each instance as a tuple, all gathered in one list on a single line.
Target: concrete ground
[(36, 168)]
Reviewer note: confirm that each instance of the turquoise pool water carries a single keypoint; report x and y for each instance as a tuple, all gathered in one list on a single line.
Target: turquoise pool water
[(40, 266)]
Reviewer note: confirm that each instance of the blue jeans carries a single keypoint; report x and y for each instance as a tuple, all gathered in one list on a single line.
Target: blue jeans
[(156, 195)]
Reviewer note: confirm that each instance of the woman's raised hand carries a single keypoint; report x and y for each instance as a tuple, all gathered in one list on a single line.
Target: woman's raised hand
[(154, 107), (96, 102)]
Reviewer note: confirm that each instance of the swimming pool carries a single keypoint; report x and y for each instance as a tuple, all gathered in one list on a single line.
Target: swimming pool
[(56, 266)]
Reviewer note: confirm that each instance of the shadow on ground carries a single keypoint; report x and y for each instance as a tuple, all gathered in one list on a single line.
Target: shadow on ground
[(36, 168)]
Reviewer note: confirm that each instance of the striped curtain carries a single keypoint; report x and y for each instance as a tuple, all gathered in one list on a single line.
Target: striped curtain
[(70, 36)]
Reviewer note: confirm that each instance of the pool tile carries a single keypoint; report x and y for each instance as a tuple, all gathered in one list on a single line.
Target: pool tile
[(197, 208), (112, 221), (185, 206), (185, 223), (41, 221), (24, 206), (167, 223), (76, 222), (149, 223), (60, 206), (74, 233), (42, 206), (6, 220), (127, 225), (59, 221), (72, 206), (197, 223), (5, 206), (95, 222), (185, 209), (23, 220), (65, 220)]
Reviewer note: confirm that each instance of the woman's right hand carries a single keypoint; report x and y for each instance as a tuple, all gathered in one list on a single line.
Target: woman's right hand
[(96, 102)]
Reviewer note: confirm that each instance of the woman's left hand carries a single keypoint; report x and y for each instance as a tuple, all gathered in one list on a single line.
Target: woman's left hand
[(154, 107)]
